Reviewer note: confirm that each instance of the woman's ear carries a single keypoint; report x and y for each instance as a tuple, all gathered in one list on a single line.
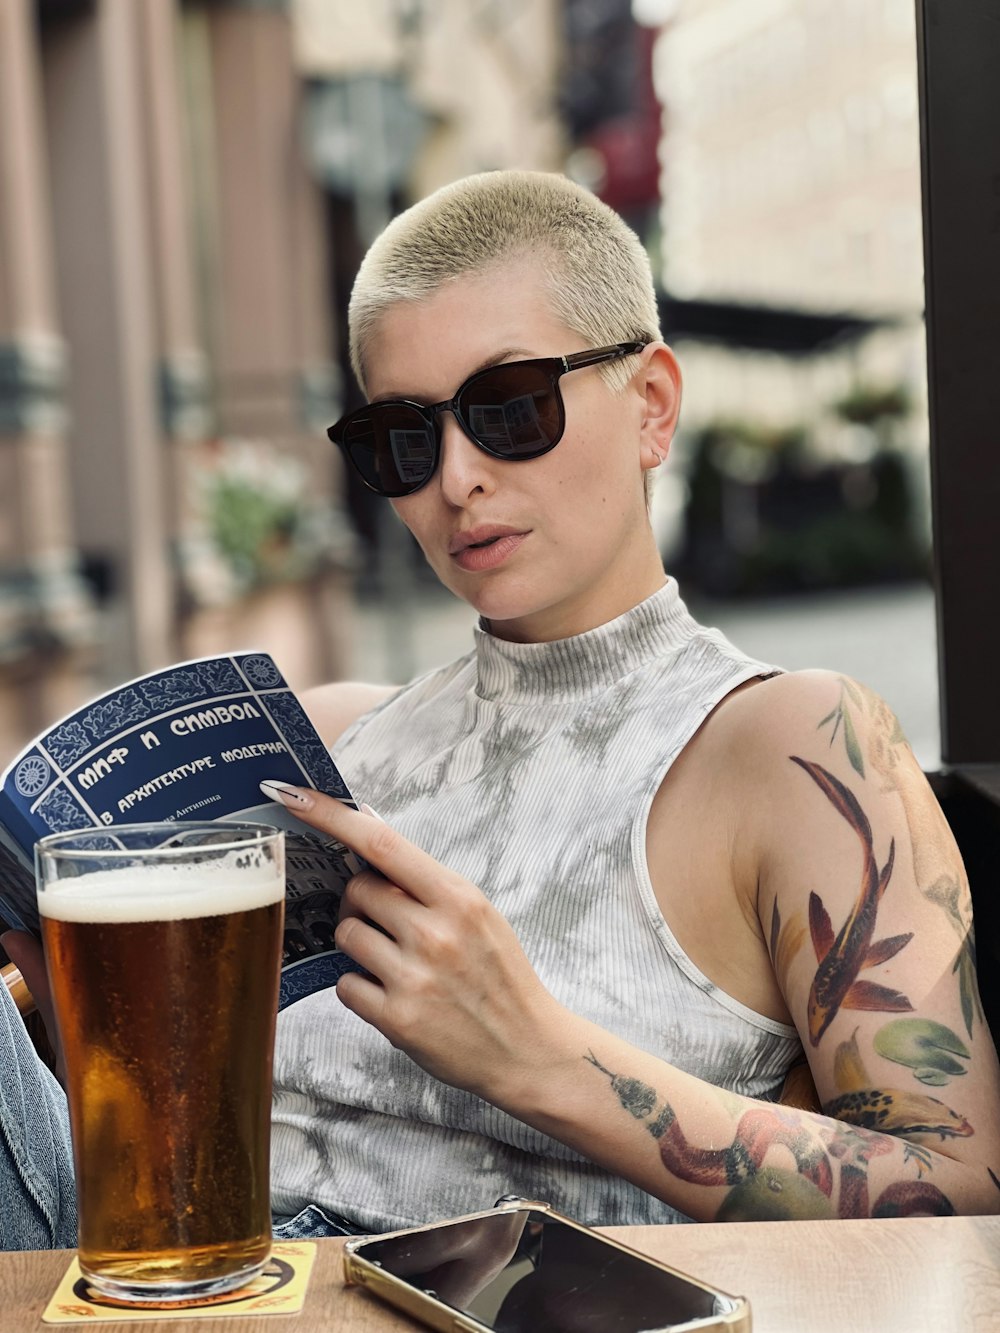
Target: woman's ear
[(659, 383)]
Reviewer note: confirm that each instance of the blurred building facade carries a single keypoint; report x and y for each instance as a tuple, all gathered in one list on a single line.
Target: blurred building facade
[(403, 96), (791, 200), (162, 288), (791, 160), (410, 94), (186, 188)]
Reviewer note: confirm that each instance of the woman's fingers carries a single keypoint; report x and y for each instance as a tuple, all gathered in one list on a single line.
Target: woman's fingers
[(363, 996), (380, 845), (369, 946)]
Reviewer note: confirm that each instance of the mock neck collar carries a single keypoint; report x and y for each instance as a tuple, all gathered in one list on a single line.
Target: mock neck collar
[(586, 663)]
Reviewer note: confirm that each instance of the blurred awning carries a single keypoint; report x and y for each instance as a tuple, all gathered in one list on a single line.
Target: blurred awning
[(764, 328)]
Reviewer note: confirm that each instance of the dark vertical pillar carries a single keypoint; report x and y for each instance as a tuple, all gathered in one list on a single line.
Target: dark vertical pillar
[(959, 70)]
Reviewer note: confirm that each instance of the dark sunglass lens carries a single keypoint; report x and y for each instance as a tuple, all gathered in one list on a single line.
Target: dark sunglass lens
[(513, 410), (392, 447)]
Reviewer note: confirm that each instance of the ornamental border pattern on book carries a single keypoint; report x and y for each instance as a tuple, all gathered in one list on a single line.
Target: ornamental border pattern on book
[(293, 721), (134, 703)]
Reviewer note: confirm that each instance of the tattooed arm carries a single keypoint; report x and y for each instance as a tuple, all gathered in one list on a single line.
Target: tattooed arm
[(864, 904), (867, 964), (845, 859)]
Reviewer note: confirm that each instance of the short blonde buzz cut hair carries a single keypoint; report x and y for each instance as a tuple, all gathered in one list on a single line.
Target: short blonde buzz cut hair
[(599, 279)]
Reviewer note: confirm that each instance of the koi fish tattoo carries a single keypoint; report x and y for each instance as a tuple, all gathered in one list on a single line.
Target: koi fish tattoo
[(843, 956), (903, 1114)]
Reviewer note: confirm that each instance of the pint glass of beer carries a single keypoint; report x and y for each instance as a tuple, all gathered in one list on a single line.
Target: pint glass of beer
[(163, 944)]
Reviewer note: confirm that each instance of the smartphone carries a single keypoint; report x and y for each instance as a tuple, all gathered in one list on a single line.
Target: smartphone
[(523, 1268)]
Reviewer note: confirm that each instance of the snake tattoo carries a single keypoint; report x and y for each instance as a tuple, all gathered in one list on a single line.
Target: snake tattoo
[(757, 1190)]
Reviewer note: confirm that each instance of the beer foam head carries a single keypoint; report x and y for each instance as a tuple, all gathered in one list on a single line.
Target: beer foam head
[(162, 892)]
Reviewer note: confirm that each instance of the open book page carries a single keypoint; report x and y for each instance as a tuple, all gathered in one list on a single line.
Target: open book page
[(193, 741)]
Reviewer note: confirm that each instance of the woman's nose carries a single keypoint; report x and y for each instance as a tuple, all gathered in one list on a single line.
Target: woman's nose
[(465, 468)]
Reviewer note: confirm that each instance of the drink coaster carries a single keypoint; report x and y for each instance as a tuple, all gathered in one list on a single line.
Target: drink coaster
[(280, 1289)]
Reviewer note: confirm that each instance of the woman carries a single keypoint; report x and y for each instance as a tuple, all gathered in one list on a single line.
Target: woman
[(627, 875)]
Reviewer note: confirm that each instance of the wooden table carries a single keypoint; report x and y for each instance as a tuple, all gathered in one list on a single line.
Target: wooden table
[(913, 1275)]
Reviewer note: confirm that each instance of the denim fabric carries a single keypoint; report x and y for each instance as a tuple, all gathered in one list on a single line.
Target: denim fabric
[(312, 1222), (37, 1194)]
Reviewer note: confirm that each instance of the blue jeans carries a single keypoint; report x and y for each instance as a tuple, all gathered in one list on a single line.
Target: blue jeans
[(37, 1194), (312, 1223)]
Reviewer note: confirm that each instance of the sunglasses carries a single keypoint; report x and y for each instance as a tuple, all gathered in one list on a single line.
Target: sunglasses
[(513, 410)]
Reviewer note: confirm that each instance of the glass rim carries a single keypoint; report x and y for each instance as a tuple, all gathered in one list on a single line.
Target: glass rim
[(51, 843)]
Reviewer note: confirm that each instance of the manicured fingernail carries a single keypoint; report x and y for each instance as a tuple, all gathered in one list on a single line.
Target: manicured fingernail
[(295, 798), (367, 810)]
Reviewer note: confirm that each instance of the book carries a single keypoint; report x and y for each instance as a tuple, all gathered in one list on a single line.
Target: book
[(192, 741)]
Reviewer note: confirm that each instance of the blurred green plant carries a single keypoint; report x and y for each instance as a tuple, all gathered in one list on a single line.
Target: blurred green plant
[(254, 531), (263, 521), (752, 452), (869, 404), (770, 511)]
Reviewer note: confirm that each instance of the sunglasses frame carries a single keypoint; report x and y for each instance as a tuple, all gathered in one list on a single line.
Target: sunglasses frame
[(553, 366)]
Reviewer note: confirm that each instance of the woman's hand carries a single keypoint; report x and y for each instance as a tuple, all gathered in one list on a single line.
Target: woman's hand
[(449, 983)]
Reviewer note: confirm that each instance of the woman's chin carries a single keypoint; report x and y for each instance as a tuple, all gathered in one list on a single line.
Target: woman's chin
[(493, 598), (519, 621), (517, 604), (502, 614)]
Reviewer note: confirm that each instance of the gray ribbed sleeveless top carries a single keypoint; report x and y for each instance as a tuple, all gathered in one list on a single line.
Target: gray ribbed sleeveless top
[(529, 768)]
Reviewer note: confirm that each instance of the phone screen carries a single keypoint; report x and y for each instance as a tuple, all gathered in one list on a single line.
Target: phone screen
[(526, 1272)]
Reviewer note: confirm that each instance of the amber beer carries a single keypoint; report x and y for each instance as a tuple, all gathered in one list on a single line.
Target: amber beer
[(164, 975)]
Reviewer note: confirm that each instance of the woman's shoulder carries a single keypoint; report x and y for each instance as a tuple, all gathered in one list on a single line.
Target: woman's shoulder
[(335, 707)]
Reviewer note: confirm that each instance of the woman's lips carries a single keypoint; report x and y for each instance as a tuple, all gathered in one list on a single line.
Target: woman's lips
[(484, 549)]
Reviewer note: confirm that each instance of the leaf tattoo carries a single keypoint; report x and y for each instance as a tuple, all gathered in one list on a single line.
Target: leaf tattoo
[(840, 716), (930, 1049), (968, 985), (946, 893)]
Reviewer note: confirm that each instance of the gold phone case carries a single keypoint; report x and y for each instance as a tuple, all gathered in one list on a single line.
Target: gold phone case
[(426, 1308)]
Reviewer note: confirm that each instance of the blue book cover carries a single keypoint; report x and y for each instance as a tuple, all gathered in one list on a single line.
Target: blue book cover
[(193, 741)]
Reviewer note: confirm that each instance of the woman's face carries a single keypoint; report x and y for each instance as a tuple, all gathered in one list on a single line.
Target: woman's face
[(544, 548)]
